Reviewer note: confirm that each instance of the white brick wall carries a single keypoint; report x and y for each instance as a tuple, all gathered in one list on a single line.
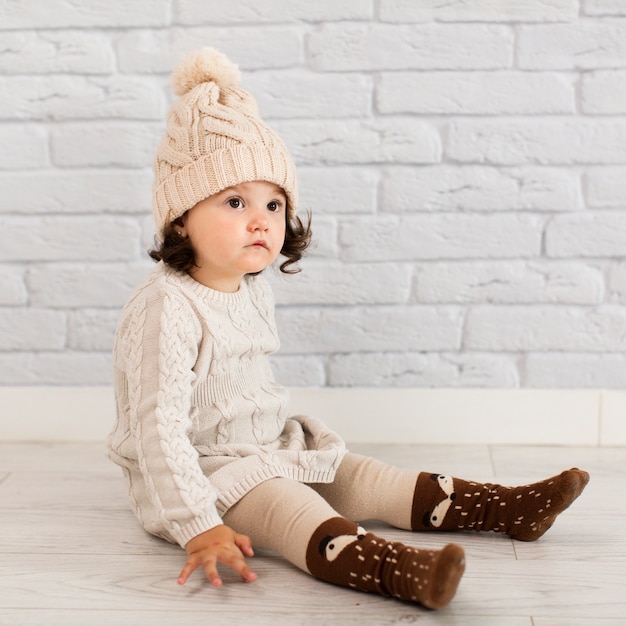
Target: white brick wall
[(464, 163)]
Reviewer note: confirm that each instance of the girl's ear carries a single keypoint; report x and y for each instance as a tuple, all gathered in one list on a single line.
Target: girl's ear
[(179, 226)]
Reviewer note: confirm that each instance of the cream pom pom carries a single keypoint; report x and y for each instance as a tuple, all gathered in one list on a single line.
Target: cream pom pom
[(203, 66)]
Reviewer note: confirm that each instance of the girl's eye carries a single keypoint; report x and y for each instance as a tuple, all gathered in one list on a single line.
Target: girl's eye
[(235, 203), (274, 206)]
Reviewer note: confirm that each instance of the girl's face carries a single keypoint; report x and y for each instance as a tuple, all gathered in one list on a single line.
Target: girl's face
[(238, 231)]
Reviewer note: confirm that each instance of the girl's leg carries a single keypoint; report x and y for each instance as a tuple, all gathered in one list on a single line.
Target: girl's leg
[(365, 488), (292, 519), (280, 515)]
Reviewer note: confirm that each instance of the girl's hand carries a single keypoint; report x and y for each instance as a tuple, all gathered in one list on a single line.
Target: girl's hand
[(218, 545)]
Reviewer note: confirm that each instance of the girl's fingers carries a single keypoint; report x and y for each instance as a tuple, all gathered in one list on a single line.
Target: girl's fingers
[(232, 555), (244, 544), (214, 578), (210, 568), (236, 561), (247, 574), (190, 567)]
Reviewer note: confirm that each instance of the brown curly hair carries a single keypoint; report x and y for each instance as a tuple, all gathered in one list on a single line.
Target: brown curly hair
[(176, 251)]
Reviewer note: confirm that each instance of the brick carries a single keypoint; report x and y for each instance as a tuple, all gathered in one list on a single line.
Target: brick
[(112, 144), (115, 191), (604, 7), (92, 330), (335, 283), (32, 329), (12, 287), (479, 188), (251, 47), (421, 370), (551, 142), (545, 328), (98, 13), (64, 97), (617, 283), (575, 371), (589, 234), (47, 52), (192, 12), (390, 370), (606, 186), (148, 234), (366, 46), (604, 92), (387, 140), (484, 370), (476, 93), (23, 147), (586, 44), (315, 330), (486, 11), (56, 368), (299, 371), (324, 243), (104, 285), (509, 283), (441, 236), (67, 238), (295, 94), (338, 190)]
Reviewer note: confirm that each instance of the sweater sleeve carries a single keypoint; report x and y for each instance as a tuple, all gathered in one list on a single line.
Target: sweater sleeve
[(163, 341)]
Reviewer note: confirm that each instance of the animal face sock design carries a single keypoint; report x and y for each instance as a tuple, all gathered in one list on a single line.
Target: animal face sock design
[(343, 553), (524, 513)]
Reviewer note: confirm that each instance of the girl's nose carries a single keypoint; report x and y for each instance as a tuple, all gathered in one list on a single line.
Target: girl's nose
[(258, 220)]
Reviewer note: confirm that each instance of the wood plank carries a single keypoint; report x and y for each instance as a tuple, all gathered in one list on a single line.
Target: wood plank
[(490, 587), (544, 461), (547, 588), (55, 457), (575, 536), (64, 490), (353, 616), (77, 531), (578, 621), (92, 582)]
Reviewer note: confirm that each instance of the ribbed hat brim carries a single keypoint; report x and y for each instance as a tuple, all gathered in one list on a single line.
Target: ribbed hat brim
[(221, 169)]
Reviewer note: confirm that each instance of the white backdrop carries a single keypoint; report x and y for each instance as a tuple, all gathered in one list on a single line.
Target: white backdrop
[(464, 163)]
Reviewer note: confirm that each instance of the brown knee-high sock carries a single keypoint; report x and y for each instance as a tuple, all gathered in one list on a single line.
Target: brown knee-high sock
[(525, 513), (343, 553)]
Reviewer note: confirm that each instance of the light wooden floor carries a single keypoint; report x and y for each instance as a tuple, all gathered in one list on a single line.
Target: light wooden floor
[(72, 554)]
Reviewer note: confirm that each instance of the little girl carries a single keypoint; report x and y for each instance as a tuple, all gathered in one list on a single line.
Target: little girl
[(212, 458)]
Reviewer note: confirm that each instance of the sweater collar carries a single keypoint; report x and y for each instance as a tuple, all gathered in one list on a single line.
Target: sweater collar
[(202, 292)]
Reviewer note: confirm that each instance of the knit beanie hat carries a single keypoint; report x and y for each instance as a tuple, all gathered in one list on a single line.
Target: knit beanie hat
[(214, 139)]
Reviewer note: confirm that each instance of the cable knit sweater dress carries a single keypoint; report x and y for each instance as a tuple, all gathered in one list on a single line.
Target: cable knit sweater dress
[(200, 418)]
